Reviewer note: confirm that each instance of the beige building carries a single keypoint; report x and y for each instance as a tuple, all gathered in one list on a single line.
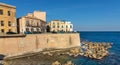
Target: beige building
[(58, 25), (33, 22), (7, 18)]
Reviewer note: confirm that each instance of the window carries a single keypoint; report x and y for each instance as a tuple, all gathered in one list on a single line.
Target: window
[(32, 30), (2, 30), (53, 26), (27, 23), (1, 12), (27, 29), (62, 27), (38, 30), (10, 30), (57, 26), (57, 23), (71, 26), (2, 23), (9, 23), (37, 24), (66, 26), (9, 13)]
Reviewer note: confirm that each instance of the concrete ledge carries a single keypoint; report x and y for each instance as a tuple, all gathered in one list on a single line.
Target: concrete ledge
[(11, 35)]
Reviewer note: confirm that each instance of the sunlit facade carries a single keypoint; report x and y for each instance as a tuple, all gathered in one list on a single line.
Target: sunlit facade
[(58, 25), (32, 23), (7, 18)]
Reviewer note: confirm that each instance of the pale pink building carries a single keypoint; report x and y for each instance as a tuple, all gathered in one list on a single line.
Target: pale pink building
[(34, 22)]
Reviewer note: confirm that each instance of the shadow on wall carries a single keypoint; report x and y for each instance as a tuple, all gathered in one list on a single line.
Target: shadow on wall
[(1, 58)]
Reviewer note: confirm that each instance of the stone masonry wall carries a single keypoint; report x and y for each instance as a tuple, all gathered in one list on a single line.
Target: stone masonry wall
[(32, 42)]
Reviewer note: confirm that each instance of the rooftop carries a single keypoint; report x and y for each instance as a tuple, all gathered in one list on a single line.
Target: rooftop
[(7, 5)]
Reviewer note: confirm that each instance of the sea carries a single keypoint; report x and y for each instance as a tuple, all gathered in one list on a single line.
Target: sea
[(102, 36)]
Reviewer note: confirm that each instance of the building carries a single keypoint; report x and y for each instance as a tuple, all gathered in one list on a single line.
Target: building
[(33, 22), (7, 18), (58, 25)]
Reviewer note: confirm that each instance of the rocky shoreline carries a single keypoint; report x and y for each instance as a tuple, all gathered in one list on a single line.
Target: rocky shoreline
[(60, 56), (92, 50)]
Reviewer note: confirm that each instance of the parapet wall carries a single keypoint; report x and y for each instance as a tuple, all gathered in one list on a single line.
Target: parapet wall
[(14, 45)]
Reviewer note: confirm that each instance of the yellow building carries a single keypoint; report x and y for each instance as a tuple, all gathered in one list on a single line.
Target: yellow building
[(58, 25), (7, 18)]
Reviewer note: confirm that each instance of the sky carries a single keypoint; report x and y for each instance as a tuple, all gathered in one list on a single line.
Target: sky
[(86, 15)]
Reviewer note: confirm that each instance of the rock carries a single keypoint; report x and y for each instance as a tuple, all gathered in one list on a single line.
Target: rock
[(95, 50), (56, 63), (75, 51), (81, 53), (69, 63)]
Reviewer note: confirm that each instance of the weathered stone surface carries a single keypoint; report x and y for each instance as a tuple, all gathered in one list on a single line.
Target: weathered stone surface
[(33, 42), (96, 50), (56, 63), (69, 63)]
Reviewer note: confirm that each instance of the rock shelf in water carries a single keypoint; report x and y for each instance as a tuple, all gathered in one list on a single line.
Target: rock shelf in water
[(95, 50)]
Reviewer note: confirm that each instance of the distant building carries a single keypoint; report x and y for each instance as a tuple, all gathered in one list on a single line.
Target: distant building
[(33, 22), (7, 18), (58, 25)]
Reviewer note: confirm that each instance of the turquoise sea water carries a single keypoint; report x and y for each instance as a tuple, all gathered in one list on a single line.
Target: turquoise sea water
[(112, 59)]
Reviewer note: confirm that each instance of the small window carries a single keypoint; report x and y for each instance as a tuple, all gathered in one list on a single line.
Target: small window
[(10, 30), (9, 23), (9, 13), (1, 12), (27, 23), (57, 23), (53, 26), (38, 30), (2, 23), (66, 26), (62, 27), (70, 26), (32, 30), (37, 24), (27, 29), (2, 30), (57, 26)]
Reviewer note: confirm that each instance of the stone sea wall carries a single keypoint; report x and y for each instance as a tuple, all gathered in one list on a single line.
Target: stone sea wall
[(16, 45)]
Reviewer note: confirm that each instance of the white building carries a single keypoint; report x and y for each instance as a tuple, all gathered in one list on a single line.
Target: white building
[(58, 25)]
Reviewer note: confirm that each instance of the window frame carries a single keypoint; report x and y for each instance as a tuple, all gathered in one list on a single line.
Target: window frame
[(1, 12), (9, 13), (2, 30), (2, 23), (9, 23)]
